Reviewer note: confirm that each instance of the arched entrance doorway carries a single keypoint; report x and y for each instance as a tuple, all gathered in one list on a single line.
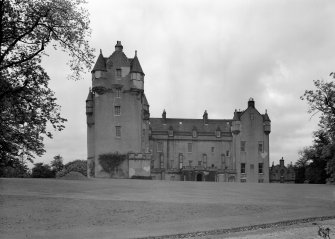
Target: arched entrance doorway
[(199, 177)]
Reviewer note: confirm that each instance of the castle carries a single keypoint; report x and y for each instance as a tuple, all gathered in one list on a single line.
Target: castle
[(118, 120)]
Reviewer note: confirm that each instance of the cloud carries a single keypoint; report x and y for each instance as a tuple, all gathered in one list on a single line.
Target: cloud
[(210, 55)]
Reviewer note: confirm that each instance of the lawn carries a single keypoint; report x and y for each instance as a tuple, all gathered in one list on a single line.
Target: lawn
[(110, 208)]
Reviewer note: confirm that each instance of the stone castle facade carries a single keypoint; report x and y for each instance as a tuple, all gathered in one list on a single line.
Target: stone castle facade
[(118, 120)]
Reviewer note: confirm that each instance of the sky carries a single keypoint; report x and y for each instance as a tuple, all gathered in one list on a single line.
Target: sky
[(208, 55)]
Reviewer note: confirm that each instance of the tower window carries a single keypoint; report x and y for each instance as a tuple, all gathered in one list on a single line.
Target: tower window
[(118, 93), (118, 72), (260, 168), (213, 149), (260, 147), (243, 146), (117, 110), (189, 147), (118, 131), (242, 167)]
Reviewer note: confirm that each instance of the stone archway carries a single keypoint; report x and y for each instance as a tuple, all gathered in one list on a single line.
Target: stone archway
[(199, 177)]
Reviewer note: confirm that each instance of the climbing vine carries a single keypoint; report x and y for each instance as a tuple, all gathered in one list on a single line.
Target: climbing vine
[(109, 162)]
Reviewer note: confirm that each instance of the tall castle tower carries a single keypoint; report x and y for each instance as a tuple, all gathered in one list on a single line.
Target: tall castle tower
[(117, 112)]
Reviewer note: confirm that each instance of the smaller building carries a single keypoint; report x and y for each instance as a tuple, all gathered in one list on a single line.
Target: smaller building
[(282, 174)]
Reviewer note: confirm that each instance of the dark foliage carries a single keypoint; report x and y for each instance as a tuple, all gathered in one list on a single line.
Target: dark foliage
[(16, 169), (41, 170), (27, 104), (321, 155), (78, 165), (110, 162)]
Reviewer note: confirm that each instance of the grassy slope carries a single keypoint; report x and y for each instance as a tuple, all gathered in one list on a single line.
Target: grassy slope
[(104, 208)]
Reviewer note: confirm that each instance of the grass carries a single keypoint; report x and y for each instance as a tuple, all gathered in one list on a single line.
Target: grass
[(107, 208)]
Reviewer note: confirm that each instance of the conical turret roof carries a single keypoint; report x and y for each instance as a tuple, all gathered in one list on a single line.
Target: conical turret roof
[(135, 65), (90, 95), (100, 65), (266, 117)]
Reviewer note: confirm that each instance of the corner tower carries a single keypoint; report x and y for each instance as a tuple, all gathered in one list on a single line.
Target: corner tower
[(117, 113)]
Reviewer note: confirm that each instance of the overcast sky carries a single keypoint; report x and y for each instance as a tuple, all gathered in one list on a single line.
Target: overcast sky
[(211, 55)]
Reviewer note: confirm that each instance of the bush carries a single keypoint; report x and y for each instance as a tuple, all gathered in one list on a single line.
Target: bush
[(15, 169), (78, 165), (41, 170), (141, 177)]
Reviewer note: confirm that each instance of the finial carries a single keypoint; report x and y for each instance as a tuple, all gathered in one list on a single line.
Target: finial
[(100, 51), (266, 111), (135, 52)]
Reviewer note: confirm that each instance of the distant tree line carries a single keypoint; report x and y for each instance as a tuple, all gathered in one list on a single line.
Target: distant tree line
[(317, 162), (56, 168)]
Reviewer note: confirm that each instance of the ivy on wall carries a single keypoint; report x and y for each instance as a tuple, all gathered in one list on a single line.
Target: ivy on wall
[(109, 162)]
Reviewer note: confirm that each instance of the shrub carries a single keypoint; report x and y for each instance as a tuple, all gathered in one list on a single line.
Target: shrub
[(41, 170), (78, 165)]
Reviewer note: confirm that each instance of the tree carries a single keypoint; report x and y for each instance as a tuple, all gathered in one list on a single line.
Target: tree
[(322, 100), (41, 170), (57, 164), (27, 104)]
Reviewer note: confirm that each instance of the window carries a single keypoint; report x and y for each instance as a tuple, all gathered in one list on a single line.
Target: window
[(118, 93), (181, 158), (117, 110), (218, 133), (260, 168), (243, 146), (161, 160), (118, 131), (159, 146), (189, 147), (223, 161), (243, 180), (212, 149), (242, 167), (261, 180), (194, 133), (227, 153), (190, 163), (170, 132), (260, 147), (118, 72), (199, 163), (204, 160), (171, 163)]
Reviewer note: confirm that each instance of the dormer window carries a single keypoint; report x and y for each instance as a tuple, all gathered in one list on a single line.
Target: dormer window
[(98, 74), (194, 132), (218, 134), (170, 132), (118, 72)]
